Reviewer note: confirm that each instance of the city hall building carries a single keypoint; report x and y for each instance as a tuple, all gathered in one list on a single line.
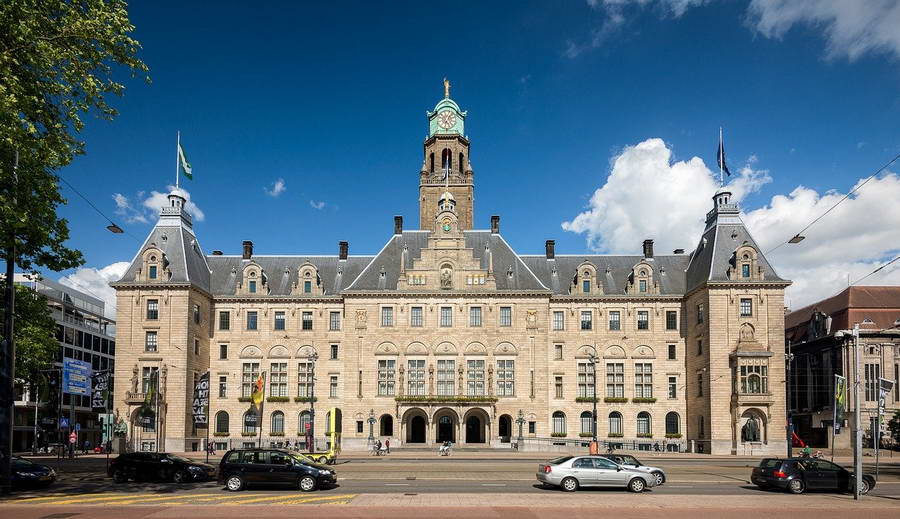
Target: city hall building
[(448, 334)]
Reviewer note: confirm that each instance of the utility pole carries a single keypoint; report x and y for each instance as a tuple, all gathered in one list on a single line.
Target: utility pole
[(789, 358), (857, 421)]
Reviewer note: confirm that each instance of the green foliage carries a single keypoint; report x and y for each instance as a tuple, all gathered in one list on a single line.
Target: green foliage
[(305, 399), (643, 400), (894, 426), (35, 335), (278, 399), (56, 66), (586, 399), (673, 435), (557, 435), (615, 400)]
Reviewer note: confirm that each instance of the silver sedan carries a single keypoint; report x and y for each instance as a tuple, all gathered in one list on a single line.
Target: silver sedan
[(572, 472)]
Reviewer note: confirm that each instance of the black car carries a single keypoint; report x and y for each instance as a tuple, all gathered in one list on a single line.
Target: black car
[(29, 474), (241, 468), (158, 466), (797, 475)]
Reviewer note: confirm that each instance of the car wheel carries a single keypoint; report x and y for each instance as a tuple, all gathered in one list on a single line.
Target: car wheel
[(569, 484), (119, 476), (234, 483), (864, 487), (796, 486), (181, 476), (307, 483), (660, 478), (637, 485), (323, 460)]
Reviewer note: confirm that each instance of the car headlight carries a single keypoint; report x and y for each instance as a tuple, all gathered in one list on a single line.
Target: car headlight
[(30, 474), (324, 472), (195, 469)]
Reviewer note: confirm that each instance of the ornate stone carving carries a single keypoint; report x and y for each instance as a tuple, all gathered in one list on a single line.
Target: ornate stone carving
[(446, 278)]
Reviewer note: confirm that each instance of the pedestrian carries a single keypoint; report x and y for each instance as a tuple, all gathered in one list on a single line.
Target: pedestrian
[(807, 451), (387, 445), (87, 446)]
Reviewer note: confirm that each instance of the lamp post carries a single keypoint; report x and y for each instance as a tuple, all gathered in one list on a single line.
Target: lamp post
[(594, 359), (520, 421), (788, 359), (312, 403), (371, 426), (857, 409)]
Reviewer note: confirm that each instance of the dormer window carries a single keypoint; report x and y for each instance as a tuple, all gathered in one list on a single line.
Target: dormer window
[(252, 286), (152, 272), (643, 285), (745, 270), (583, 282), (641, 280), (744, 264), (586, 286)]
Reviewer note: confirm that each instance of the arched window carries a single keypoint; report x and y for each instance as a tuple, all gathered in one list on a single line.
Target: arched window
[(431, 160), (387, 425), (462, 162), (277, 423), (643, 423), (587, 423), (754, 384), (615, 423), (302, 422), (559, 422), (222, 422), (446, 159), (672, 423), (250, 422)]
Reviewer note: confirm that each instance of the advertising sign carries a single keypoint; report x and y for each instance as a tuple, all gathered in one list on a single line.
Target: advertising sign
[(100, 392), (840, 402), (201, 401), (76, 377)]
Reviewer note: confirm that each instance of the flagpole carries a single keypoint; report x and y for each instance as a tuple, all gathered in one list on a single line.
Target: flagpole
[(721, 158), (177, 159)]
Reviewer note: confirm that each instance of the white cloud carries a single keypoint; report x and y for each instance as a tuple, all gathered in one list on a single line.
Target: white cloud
[(156, 201), (95, 282), (853, 239), (146, 208), (277, 188), (320, 204), (852, 28), (126, 211)]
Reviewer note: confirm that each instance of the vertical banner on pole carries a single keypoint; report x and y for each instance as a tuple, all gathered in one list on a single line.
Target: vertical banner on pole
[(840, 402), (200, 405)]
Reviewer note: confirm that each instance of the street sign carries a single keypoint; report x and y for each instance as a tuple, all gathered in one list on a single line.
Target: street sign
[(63, 423), (73, 437), (77, 427), (76, 377)]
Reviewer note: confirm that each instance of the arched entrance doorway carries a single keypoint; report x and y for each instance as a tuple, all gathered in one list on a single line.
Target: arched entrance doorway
[(504, 428), (446, 422), (415, 433), (476, 423), (387, 425)]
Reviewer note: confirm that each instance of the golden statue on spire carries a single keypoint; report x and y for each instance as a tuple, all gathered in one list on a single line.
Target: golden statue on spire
[(446, 87)]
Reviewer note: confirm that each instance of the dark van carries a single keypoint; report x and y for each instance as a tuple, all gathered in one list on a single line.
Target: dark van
[(242, 468)]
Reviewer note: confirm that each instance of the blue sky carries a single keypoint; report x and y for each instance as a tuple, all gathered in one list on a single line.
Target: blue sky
[(331, 99)]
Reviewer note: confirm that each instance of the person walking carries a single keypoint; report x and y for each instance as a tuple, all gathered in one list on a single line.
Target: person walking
[(387, 445), (87, 447)]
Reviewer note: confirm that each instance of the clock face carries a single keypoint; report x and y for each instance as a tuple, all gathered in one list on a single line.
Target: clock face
[(446, 225), (446, 119)]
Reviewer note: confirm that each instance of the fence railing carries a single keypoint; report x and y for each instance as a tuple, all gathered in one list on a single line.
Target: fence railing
[(604, 444)]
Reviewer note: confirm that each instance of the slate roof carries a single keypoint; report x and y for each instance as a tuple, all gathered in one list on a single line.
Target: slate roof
[(282, 272), (668, 270), (182, 250)]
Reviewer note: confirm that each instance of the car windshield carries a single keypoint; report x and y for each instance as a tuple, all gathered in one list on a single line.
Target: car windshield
[(557, 461), (21, 461), (770, 463), (630, 460), (299, 458), (178, 458)]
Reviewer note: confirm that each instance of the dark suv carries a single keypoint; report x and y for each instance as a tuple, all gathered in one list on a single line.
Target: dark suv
[(149, 466), (241, 468), (797, 475)]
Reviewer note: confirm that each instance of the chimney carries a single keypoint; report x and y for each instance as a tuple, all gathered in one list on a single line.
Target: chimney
[(217, 253), (398, 225), (550, 249), (495, 224), (648, 249), (248, 249), (343, 247), (678, 251)]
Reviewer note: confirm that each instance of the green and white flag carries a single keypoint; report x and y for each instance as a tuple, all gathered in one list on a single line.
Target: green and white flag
[(185, 165)]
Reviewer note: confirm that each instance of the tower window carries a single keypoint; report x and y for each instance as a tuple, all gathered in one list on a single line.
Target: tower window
[(431, 159), (745, 270), (446, 159), (152, 271), (461, 161)]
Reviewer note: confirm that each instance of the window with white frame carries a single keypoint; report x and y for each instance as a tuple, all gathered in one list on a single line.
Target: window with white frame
[(746, 307), (505, 316), (615, 380), (615, 423), (387, 316), (150, 341), (278, 378), (224, 320), (153, 309), (386, 374), (506, 377), (249, 426), (586, 378), (559, 320), (643, 423), (475, 316), (333, 386), (673, 387), (586, 320), (304, 379), (643, 320), (415, 377), (279, 320), (559, 423), (277, 424), (223, 386), (754, 376), (415, 316), (672, 351), (222, 422), (334, 321), (558, 352), (446, 377), (643, 380), (446, 316), (475, 378), (587, 422), (615, 320), (558, 384), (249, 374), (307, 321)]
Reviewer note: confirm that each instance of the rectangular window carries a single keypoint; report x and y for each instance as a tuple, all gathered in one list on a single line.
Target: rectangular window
[(559, 320), (699, 384), (307, 321), (586, 380), (586, 286), (671, 320), (387, 316), (475, 378), (586, 320), (149, 379), (745, 270), (643, 380), (475, 316), (359, 427), (558, 385), (251, 320), (334, 352), (279, 320), (446, 383), (152, 271), (278, 378), (334, 321), (672, 352), (150, 342), (700, 316), (532, 427), (415, 374), (642, 284), (196, 346), (153, 309), (223, 386), (754, 377), (872, 373), (196, 314), (446, 316), (249, 374), (746, 307), (415, 316), (505, 316), (699, 346), (615, 320), (307, 287), (673, 387), (304, 379), (615, 380), (224, 321), (252, 287), (558, 351), (386, 376), (223, 351), (506, 378), (643, 321), (333, 386)]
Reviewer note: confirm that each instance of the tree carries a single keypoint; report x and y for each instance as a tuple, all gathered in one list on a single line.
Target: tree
[(894, 427), (36, 344)]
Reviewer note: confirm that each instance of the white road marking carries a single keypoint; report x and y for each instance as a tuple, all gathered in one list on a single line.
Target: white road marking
[(493, 484), (396, 484)]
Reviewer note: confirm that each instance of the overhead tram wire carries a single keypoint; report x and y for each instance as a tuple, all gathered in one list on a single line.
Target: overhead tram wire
[(876, 270), (855, 189), (112, 223)]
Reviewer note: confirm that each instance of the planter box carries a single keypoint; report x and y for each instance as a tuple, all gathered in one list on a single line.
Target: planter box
[(673, 435), (643, 400), (615, 400), (558, 435), (643, 435), (586, 399), (305, 399), (244, 399), (585, 435), (614, 435), (278, 399), (221, 434), (276, 434)]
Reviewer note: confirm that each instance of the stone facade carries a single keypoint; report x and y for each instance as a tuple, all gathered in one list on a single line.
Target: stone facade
[(449, 334)]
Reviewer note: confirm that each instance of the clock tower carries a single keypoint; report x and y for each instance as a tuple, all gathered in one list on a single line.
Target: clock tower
[(446, 166)]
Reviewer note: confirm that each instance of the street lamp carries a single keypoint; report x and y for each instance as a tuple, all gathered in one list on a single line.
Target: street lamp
[(796, 239), (312, 403), (593, 359), (857, 426), (520, 421), (371, 425)]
